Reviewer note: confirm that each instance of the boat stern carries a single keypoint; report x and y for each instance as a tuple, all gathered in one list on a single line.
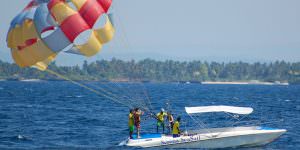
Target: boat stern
[(145, 140)]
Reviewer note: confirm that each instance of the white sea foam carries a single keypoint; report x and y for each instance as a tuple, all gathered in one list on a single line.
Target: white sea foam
[(123, 143), (74, 96), (20, 137)]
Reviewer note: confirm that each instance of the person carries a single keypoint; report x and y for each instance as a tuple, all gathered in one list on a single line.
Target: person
[(171, 121), (176, 129), (137, 120), (161, 120), (131, 123)]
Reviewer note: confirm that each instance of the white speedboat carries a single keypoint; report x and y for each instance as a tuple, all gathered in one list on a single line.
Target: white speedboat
[(213, 137)]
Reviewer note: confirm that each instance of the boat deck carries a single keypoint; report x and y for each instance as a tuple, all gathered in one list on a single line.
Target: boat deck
[(147, 136)]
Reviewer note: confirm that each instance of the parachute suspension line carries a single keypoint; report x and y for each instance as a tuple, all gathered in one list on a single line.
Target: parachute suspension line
[(110, 92), (136, 98), (127, 44), (147, 97), (86, 87), (132, 101), (106, 93)]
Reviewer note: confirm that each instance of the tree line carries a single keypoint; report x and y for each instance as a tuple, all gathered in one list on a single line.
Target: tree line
[(161, 71)]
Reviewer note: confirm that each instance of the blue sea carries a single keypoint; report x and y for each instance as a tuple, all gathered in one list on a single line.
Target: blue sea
[(61, 115)]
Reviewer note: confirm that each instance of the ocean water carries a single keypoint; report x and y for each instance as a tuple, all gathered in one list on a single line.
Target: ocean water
[(61, 115)]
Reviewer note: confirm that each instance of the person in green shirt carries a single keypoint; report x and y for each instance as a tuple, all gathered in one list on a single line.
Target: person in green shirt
[(161, 120), (176, 130), (131, 123)]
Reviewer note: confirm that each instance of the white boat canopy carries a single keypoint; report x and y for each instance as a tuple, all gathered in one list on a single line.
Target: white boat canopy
[(221, 108)]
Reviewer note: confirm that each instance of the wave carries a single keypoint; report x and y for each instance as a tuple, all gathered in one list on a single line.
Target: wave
[(16, 138), (123, 143), (74, 96)]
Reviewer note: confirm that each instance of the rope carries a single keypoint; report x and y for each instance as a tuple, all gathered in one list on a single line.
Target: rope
[(126, 43), (86, 87)]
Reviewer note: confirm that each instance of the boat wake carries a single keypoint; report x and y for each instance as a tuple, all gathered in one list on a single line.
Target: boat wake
[(123, 143)]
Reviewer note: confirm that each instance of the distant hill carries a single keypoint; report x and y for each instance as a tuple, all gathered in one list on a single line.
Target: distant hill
[(149, 70)]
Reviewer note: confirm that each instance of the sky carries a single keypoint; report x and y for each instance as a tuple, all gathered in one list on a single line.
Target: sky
[(208, 30)]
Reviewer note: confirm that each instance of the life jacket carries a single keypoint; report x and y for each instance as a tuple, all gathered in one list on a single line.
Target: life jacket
[(160, 116), (176, 128), (130, 119)]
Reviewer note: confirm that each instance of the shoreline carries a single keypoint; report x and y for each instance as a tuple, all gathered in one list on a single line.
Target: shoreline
[(244, 83), (179, 82)]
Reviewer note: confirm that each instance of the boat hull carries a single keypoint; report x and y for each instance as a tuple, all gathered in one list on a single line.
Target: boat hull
[(216, 138)]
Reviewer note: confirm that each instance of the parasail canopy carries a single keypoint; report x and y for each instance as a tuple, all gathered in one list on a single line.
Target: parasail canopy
[(47, 27), (221, 108)]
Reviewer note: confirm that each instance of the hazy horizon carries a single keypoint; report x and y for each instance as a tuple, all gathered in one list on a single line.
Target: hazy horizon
[(206, 30)]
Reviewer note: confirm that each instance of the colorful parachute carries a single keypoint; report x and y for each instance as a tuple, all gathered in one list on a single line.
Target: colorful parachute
[(46, 27)]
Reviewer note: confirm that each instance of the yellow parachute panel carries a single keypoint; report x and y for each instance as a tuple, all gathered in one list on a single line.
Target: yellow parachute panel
[(106, 33)]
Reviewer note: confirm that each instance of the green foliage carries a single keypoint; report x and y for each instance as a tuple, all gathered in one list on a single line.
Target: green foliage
[(161, 71)]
